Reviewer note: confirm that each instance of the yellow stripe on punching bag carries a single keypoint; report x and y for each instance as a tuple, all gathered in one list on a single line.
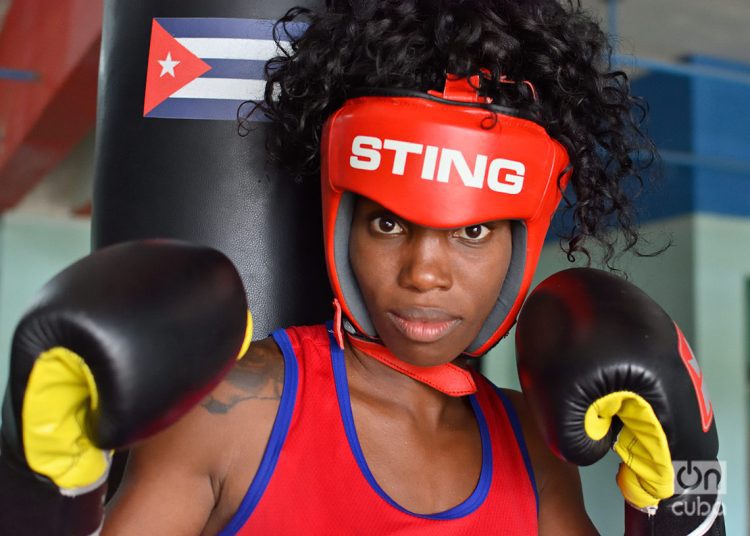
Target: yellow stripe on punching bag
[(646, 475), (60, 393)]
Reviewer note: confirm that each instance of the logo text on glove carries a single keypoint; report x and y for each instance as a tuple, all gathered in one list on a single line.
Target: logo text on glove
[(501, 174)]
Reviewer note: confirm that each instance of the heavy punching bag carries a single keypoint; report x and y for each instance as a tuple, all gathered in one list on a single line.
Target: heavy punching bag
[(171, 163)]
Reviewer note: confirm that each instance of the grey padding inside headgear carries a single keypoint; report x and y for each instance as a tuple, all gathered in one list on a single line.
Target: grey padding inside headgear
[(356, 303), (510, 289), (349, 286)]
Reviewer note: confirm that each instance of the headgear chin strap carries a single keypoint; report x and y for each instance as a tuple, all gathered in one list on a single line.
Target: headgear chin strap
[(446, 161)]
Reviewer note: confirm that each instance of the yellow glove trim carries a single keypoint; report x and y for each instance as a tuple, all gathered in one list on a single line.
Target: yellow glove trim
[(646, 475), (248, 336), (60, 393)]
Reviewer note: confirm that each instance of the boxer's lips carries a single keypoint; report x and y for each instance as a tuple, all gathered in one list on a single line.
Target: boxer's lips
[(423, 324)]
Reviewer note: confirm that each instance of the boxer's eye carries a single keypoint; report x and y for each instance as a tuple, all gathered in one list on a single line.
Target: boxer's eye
[(386, 225), (472, 232)]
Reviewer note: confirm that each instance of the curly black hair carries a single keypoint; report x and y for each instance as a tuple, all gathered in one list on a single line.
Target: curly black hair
[(412, 44)]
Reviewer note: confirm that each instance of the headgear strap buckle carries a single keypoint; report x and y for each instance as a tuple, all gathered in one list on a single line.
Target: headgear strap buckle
[(461, 90)]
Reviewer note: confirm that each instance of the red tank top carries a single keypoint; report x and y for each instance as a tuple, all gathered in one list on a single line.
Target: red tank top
[(314, 479)]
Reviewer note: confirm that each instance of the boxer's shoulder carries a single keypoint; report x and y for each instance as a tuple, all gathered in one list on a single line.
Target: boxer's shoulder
[(540, 455), (240, 413), (542, 459), (243, 407), (258, 376), (558, 483), (206, 460), (247, 399)]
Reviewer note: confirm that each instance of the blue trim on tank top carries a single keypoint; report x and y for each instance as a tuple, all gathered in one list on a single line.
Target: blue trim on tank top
[(463, 509), (510, 411), (275, 442)]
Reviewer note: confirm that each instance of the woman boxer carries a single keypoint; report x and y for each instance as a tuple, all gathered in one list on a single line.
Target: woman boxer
[(444, 134)]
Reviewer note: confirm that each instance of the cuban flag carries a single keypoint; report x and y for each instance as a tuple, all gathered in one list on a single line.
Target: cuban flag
[(206, 68)]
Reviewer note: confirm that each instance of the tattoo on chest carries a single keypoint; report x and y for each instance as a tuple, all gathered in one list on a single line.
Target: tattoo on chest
[(214, 405), (259, 376)]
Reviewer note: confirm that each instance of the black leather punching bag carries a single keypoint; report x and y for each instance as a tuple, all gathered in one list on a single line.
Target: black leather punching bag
[(169, 159)]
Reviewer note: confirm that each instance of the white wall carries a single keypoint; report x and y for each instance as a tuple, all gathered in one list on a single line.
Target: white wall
[(32, 249), (40, 236)]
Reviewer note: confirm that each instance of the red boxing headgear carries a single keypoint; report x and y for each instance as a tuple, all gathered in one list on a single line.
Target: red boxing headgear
[(445, 160)]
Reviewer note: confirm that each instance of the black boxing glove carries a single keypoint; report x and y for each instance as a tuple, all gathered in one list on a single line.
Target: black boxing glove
[(115, 348), (603, 366)]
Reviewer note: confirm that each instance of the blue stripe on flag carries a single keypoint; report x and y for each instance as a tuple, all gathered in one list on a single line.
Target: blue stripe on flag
[(227, 28), (222, 109), (248, 69)]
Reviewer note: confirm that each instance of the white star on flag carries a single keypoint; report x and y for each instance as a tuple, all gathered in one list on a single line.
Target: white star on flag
[(167, 65)]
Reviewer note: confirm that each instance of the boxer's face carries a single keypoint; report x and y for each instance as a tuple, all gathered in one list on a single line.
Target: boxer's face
[(428, 291)]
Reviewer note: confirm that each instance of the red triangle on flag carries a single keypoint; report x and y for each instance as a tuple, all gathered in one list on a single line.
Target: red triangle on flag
[(171, 66)]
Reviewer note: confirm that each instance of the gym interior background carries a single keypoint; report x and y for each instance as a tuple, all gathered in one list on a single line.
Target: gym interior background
[(690, 59)]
